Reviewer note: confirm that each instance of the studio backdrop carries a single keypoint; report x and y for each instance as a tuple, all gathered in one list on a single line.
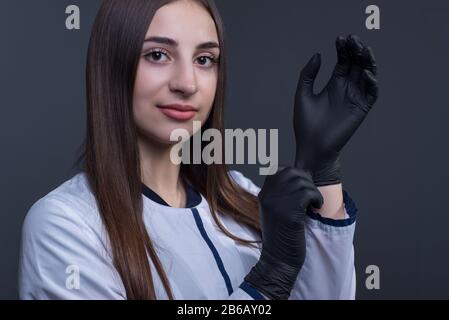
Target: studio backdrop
[(395, 166)]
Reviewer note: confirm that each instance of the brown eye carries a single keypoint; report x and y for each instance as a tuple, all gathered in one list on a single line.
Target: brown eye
[(206, 60), (157, 56)]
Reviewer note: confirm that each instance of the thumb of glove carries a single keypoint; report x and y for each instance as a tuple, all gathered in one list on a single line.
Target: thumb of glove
[(308, 75)]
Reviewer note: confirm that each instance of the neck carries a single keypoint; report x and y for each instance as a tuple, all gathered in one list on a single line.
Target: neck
[(160, 174)]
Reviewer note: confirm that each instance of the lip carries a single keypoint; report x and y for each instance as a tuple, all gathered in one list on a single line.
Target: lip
[(178, 112)]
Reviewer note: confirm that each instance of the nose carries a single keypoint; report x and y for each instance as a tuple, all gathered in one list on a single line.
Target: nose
[(184, 80)]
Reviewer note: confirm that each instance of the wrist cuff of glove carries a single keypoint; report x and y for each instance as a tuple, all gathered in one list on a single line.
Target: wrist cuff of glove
[(272, 277), (321, 182), (324, 174), (327, 175)]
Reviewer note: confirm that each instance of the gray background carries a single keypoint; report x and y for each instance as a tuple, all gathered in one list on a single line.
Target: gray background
[(395, 167)]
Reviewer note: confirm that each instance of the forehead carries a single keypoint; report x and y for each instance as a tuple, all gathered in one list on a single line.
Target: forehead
[(184, 21)]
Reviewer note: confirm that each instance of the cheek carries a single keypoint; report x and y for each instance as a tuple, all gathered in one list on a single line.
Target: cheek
[(148, 83), (148, 87), (208, 87)]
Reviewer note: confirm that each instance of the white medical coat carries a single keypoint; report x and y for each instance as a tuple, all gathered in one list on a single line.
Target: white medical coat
[(65, 253)]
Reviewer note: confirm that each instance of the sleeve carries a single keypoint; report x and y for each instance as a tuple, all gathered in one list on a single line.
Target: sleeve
[(247, 292), (328, 271), (62, 257)]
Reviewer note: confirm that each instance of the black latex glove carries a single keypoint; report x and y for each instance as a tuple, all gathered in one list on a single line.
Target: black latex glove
[(283, 201), (324, 122)]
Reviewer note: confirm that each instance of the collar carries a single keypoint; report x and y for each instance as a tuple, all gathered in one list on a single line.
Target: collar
[(193, 196)]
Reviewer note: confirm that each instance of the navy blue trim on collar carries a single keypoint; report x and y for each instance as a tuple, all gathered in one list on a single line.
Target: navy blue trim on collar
[(193, 196)]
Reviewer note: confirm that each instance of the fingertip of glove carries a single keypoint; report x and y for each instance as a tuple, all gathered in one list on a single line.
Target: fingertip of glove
[(369, 76), (340, 42), (318, 203), (353, 37), (315, 58)]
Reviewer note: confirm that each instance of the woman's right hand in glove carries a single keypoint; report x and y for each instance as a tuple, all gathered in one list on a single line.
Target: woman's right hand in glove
[(283, 202)]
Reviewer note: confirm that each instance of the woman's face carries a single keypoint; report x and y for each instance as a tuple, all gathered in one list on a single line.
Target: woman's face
[(177, 71)]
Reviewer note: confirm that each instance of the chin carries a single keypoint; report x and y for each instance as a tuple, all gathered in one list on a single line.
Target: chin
[(162, 137)]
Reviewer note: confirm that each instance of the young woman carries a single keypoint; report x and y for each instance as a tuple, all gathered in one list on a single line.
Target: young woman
[(135, 225)]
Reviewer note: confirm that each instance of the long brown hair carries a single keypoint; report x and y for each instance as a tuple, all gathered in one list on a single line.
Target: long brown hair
[(111, 155)]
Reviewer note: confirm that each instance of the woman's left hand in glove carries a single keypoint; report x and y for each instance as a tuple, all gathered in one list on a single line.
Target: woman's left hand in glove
[(324, 122)]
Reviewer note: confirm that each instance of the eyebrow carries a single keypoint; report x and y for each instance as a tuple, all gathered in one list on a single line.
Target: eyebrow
[(173, 43)]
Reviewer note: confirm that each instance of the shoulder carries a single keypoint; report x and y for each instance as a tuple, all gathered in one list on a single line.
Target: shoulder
[(70, 206), (61, 231), (244, 182)]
